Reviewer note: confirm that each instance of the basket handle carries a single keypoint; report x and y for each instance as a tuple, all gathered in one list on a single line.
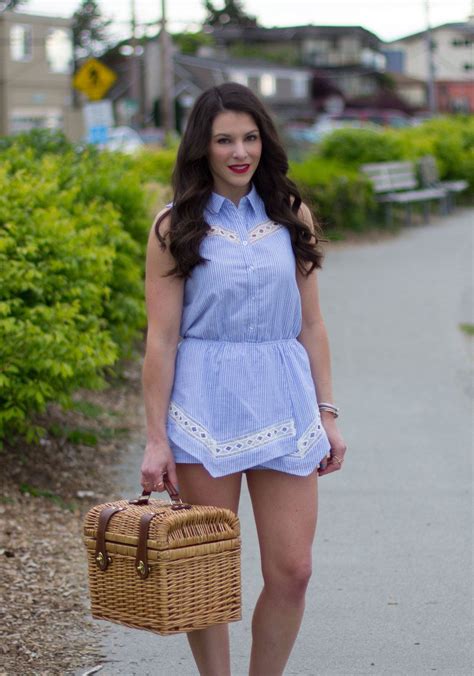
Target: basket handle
[(176, 502)]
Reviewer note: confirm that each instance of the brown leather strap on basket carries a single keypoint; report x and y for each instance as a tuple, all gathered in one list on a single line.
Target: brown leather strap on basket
[(101, 557), (141, 559)]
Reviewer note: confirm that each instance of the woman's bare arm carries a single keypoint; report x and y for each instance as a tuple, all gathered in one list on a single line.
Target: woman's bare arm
[(315, 339), (164, 303)]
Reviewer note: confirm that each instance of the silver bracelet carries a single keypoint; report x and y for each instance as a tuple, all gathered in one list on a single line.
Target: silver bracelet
[(324, 406)]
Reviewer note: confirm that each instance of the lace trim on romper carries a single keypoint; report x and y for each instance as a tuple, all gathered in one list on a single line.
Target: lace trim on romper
[(305, 443), (258, 232)]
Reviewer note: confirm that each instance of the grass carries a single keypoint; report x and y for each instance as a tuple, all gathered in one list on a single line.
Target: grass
[(84, 435), (88, 409), (28, 489)]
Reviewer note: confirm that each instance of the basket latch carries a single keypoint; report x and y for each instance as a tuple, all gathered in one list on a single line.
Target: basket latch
[(101, 557)]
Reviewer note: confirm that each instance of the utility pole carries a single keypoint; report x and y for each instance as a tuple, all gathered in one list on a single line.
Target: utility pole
[(167, 76), (431, 66), (135, 70)]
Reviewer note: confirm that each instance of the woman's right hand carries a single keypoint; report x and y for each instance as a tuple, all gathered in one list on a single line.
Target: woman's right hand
[(158, 460)]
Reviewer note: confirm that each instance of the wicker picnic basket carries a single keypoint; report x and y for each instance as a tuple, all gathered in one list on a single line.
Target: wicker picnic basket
[(166, 567)]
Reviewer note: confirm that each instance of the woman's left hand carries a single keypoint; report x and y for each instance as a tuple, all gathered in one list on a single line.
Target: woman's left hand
[(335, 459)]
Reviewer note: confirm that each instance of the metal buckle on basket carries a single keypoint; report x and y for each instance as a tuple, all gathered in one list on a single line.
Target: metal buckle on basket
[(177, 503), (100, 560), (140, 500), (142, 569)]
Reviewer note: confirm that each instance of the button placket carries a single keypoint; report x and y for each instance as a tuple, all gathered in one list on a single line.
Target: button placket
[(247, 253), (252, 293)]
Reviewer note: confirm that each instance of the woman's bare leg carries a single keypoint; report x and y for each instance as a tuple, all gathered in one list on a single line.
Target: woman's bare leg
[(210, 647), (285, 509)]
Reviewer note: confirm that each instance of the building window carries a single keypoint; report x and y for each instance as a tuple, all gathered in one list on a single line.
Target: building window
[(459, 104), (300, 87), (457, 42), (21, 42), (267, 84), (26, 119), (59, 50)]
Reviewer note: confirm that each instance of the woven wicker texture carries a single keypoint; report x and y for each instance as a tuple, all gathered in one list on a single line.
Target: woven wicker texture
[(194, 568)]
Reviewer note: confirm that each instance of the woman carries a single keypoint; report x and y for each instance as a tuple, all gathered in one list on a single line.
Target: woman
[(231, 268)]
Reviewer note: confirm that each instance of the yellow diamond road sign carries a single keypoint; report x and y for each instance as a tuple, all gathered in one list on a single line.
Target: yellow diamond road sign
[(94, 79)]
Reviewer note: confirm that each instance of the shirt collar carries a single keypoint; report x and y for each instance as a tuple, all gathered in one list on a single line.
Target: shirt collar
[(217, 201)]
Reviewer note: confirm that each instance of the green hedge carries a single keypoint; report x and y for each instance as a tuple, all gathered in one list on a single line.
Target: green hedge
[(449, 139), (340, 196), (357, 146), (155, 166), (330, 176), (73, 226)]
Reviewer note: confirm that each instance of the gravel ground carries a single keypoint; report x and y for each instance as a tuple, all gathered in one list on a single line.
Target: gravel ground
[(45, 491)]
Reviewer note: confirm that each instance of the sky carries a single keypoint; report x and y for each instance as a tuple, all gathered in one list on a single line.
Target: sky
[(388, 19)]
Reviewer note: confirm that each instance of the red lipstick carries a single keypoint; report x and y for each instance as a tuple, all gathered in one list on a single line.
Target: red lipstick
[(239, 168)]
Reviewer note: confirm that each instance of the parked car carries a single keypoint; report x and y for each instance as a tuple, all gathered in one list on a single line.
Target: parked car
[(124, 139), (325, 125), (152, 136)]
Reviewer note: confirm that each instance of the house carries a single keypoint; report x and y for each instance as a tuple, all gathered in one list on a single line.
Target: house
[(453, 58), (286, 89), (36, 60), (350, 56)]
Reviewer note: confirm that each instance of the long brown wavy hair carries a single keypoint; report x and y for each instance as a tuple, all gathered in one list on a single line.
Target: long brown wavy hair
[(193, 182)]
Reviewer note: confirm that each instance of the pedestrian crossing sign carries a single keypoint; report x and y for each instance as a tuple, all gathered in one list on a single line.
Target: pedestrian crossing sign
[(94, 79)]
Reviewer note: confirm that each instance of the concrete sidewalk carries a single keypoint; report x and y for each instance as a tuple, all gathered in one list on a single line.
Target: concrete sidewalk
[(392, 577)]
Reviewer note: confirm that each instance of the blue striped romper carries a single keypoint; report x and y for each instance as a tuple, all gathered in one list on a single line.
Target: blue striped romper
[(243, 395)]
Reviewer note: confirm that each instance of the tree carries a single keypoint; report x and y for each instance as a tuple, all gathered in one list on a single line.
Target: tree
[(232, 14), (190, 43), (90, 29), (10, 4)]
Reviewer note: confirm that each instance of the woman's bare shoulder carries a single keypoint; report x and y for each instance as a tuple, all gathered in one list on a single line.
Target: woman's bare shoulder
[(163, 217)]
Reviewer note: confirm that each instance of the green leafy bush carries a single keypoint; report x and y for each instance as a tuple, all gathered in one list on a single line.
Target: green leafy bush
[(340, 196), (449, 139), (357, 146), (40, 141), (155, 166), (72, 231)]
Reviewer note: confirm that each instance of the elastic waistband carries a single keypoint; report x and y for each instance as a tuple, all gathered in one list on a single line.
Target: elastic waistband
[(240, 342)]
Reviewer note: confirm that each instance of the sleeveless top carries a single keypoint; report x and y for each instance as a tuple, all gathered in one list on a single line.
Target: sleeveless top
[(243, 393)]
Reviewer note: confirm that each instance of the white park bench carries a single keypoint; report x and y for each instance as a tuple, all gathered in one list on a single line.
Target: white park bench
[(395, 183)]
